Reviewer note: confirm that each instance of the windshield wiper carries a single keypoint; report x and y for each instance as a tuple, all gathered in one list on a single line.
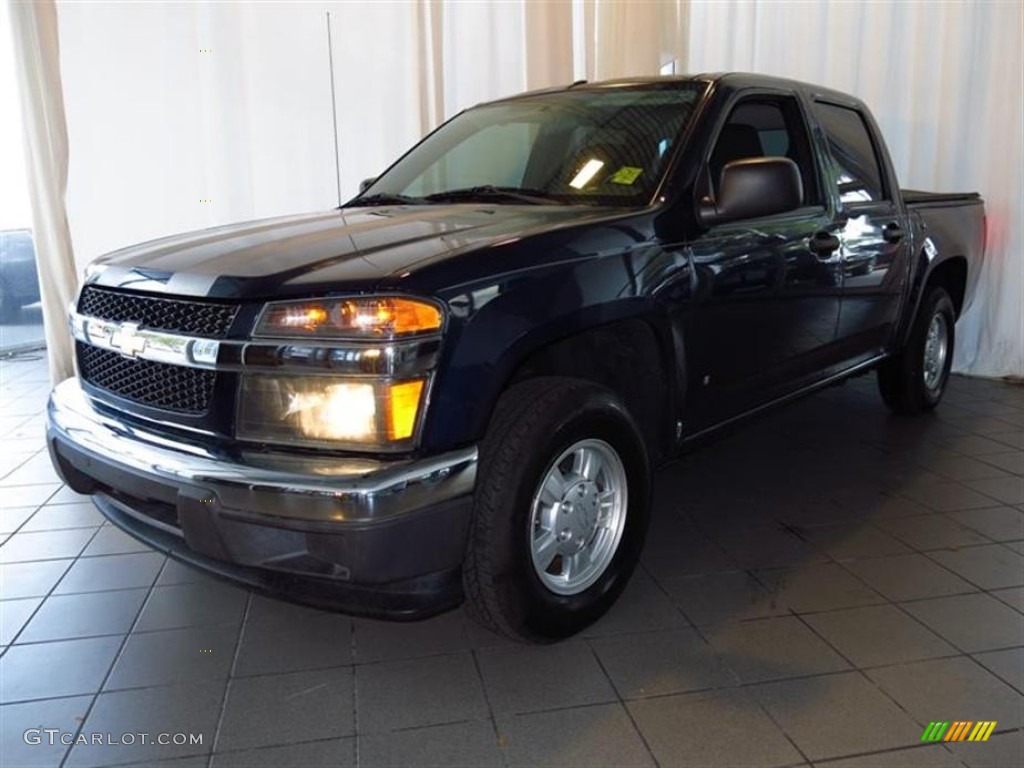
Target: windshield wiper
[(385, 199), (488, 192)]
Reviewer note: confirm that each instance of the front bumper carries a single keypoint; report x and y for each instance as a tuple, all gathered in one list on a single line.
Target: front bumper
[(362, 535)]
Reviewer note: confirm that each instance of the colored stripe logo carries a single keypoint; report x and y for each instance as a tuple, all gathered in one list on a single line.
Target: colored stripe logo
[(959, 730)]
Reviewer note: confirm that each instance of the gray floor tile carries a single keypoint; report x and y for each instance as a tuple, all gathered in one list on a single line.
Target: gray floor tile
[(1012, 461), (191, 709), (767, 548), (928, 756), (459, 745), (1008, 490), (717, 597), (909, 577), (386, 640), (854, 542), (66, 496), (174, 656), (97, 574), (330, 753), (878, 634), (974, 445), (659, 663), (418, 692), (525, 679), (45, 545), (313, 640), (972, 623), (836, 715), (948, 497), (997, 523), (31, 495), (13, 518), (54, 670), (772, 649), (52, 518), (19, 580), (179, 573), (957, 467), (1007, 665), (15, 719), (193, 605), (643, 606), (817, 587), (953, 686), (669, 725), (1000, 751), (989, 567), (113, 541), (601, 735), (933, 532), (64, 617), (1013, 597), (281, 709), (14, 614)]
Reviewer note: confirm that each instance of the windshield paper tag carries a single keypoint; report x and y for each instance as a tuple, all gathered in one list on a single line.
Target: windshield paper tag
[(627, 174)]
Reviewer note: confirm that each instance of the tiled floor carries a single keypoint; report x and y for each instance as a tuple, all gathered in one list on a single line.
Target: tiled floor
[(817, 587)]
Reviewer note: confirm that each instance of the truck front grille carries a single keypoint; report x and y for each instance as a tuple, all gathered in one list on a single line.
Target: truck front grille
[(158, 385), (192, 318)]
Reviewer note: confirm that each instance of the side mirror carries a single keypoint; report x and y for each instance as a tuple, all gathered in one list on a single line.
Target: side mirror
[(366, 183), (757, 186)]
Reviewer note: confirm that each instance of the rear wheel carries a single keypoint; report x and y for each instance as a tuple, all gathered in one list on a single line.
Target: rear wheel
[(560, 510), (914, 381)]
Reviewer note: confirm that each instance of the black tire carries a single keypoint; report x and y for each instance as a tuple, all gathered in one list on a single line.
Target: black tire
[(901, 378), (533, 423)]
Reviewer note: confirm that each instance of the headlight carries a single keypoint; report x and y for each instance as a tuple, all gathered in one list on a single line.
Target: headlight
[(378, 317), (330, 411)]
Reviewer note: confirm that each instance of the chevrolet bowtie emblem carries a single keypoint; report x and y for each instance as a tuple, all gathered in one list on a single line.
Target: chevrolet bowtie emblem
[(126, 339)]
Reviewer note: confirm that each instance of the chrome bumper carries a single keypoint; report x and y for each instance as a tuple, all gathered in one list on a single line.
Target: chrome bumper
[(269, 485)]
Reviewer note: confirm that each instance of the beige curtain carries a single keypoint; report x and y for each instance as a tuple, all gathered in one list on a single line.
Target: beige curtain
[(37, 64)]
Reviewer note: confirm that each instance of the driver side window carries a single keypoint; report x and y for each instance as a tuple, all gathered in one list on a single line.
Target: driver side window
[(764, 127)]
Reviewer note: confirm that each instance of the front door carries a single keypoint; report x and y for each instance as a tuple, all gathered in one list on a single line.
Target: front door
[(767, 290)]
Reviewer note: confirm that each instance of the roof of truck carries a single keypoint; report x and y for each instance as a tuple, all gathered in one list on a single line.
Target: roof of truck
[(732, 79)]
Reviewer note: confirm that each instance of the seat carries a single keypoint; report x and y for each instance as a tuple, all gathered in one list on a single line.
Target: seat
[(736, 142)]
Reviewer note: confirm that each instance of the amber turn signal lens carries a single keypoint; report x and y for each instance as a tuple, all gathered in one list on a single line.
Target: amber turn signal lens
[(403, 407), (372, 317)]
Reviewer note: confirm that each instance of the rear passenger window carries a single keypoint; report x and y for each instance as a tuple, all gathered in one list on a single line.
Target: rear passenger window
[(860, 173), (764, 127)]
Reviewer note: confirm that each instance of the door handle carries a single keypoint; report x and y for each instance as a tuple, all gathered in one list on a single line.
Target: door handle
[(823, 244), (892, 232)]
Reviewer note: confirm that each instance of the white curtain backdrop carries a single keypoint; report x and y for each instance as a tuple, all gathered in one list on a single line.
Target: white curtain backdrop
[(186, 115), (46, 161), (944, 80)]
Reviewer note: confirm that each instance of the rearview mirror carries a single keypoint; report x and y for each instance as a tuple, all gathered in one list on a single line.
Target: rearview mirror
[(757, 186), (366, 183)]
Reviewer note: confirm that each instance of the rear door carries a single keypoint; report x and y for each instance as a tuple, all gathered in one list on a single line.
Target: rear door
[(874, 226)]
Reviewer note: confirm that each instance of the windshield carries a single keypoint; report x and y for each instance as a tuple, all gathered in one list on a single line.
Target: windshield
[(606, 146)]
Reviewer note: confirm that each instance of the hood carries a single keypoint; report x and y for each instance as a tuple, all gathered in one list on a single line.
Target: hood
[(350, 249)]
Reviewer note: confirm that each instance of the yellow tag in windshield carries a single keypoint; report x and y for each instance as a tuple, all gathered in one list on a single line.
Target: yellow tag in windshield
[(627, 174)]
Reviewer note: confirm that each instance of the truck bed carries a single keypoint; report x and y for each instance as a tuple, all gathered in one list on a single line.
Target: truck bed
[(917, 198)]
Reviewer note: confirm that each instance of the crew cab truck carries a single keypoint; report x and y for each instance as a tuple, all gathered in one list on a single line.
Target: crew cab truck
[(456, 385)]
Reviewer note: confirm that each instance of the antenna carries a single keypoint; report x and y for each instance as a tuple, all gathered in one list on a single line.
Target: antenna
[(334, 111)]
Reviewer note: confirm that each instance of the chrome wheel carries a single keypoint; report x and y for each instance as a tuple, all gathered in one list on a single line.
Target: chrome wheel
[(936, 348), (578, 516)]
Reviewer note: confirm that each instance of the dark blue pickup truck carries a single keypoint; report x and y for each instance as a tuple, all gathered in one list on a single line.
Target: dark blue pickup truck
[(456, 385)]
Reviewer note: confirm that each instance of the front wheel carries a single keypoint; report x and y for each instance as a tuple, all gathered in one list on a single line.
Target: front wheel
[(914, 380), (560, 510)]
